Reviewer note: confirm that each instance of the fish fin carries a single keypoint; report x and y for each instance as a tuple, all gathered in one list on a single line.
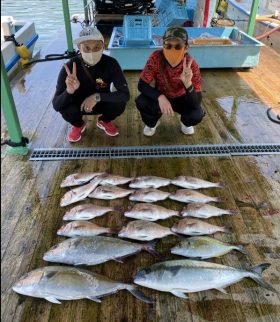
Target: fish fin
[(150, 248), (222, 290), (52, 299), (95, 299), (256, 276), (220, 185), (179, 293), (139, 295), (119, 260), (241, 249)]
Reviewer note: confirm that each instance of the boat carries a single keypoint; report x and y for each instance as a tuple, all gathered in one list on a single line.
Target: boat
[(24, 33), (267, 27)]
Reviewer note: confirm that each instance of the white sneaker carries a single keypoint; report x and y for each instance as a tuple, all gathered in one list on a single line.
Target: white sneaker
[(150, 131), (188, 130)]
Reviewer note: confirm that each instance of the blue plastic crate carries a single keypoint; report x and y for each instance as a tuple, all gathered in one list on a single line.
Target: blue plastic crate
[(174, 14), (137, 30)]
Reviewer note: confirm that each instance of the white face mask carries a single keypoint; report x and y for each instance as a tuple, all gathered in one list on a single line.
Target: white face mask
[(92, 58)]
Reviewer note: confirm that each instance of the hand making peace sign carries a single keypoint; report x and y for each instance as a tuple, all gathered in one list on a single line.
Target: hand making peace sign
[(71, 81), (186, 76)]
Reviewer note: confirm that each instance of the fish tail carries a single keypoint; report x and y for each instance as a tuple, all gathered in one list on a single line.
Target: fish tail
[(220, 185), (117, 208), (241, 249), (151, 248), (138, 294), (231, 212), (114, 230), (227, 229), (256, 276), (218, 199)]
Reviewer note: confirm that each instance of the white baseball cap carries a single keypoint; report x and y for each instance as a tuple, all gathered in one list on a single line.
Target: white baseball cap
[(89, 33)]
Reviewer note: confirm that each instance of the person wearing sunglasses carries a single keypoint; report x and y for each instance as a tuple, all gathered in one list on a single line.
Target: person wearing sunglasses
[(170, 82), (91, 84)]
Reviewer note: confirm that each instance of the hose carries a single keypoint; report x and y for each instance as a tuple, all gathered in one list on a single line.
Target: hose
[(268, 33), (52, 57), (275, 120)]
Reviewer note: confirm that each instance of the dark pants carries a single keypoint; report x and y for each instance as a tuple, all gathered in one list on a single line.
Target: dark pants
[(108, 111), (151, 113)]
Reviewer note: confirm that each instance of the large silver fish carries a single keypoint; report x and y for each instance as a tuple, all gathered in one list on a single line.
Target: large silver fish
[(189, 196), (56, 283), (202, 210), (78, 179), (187, 276), (196, 227), (194, 183), (144, 230), (94, 250), (150, 212), (114, 180), (204, 247), (79, 193), (149, 182), (148, 195), (83, 229), (109, 193), (86, 211)]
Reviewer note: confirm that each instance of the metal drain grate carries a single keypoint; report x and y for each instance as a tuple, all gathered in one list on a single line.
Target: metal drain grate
[(164, 151)]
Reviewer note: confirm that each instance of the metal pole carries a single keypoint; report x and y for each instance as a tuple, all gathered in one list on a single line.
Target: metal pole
[(10, 113), (252, 18), (67, 23), (86, 12)]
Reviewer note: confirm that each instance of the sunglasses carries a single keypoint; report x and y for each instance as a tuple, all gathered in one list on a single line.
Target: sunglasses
[(177, 46)]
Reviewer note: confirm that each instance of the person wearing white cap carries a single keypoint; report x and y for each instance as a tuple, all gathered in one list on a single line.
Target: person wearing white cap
[(83, 87)]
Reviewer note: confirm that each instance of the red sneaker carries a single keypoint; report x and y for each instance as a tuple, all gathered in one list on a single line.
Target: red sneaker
[(109, 128), (75, 133)]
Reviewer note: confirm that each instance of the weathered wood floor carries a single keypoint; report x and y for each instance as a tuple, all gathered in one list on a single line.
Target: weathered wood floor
[(236, 103)]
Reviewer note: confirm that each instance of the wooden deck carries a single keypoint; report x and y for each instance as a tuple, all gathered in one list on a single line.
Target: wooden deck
[(236, 103)]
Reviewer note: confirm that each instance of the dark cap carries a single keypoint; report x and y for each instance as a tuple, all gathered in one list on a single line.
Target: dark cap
[(173, 32)]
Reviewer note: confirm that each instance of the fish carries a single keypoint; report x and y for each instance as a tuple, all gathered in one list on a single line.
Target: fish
[(202, 210), (58, 283), (114, 180), (195, 183), (204, 247), (78, 179), (109, 193), (187, 276), (148, 195), (144, 230), (95, 250), (86, 211), (150, 212), (145, 182), (196, 227), (83, 229), (79, 193), (190, 196)]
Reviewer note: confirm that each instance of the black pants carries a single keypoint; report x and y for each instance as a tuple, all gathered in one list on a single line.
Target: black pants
[(151, 113), (108, 111)]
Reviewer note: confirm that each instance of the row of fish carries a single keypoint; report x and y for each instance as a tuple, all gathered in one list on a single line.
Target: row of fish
[(142, 230), (188, 182), (55, 283), (103, 186), (92, 190), (147, 211)]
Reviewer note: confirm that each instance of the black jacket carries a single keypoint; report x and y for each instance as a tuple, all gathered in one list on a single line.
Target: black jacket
[(104, 73)]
